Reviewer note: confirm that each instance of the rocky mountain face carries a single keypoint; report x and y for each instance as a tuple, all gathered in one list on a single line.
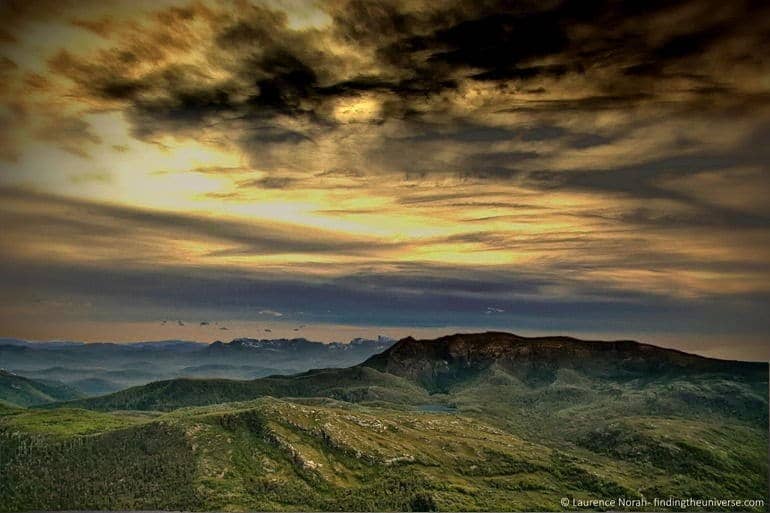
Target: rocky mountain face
[(440, 364)]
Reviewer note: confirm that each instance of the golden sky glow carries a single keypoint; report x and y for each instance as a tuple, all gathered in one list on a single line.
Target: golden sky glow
[(408, 163)]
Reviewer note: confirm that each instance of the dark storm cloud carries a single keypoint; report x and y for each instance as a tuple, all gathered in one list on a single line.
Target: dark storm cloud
[(583, 140), (441, 197), (488, 91), (645, 180), (634, 51), (269, 182), (707, 216)]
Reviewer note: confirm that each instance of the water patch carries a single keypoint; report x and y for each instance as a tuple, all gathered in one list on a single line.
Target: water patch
[(437, 408)]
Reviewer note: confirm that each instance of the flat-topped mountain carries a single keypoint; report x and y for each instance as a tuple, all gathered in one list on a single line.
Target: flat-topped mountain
[(441, 363)]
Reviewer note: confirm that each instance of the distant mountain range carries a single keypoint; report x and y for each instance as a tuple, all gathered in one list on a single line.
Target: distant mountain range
[(188, 345), (412, 371), (100, 368), (468, 422), (40, 345)]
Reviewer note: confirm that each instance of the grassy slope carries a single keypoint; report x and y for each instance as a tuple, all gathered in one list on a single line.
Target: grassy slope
[(322, 454), (573, 397), (27, 392), (352, 384)]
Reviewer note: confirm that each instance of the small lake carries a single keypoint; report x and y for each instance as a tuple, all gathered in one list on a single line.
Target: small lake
[(437, 408)]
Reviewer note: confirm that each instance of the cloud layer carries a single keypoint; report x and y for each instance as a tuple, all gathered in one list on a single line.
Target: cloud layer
[(584, 162)]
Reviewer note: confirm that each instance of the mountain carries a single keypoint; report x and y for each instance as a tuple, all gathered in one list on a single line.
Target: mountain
[(441, 364), (283, 349), (95, 386), (469, 422), (231, 371), (56, 344), (533, 369), (98, 368), (20, 391), (165, 345)]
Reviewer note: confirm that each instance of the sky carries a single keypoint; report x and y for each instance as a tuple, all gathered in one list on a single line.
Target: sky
[(330, 169)]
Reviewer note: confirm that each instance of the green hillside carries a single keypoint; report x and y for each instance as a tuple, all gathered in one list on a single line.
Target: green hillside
[(354, 384), (463, 423), (272, 454), (20, 391)]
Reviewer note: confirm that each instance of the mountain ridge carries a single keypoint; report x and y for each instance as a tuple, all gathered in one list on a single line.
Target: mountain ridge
[(440, 363), (411, 370), (559, 338), (173, 343)]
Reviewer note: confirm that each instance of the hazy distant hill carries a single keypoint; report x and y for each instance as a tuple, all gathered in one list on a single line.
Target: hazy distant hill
[(98, 368), (39, 345), (354, 384), (487, 421), (20, 391)]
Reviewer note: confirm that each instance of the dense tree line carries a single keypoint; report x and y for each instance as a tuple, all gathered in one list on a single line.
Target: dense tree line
[(145, 467)]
